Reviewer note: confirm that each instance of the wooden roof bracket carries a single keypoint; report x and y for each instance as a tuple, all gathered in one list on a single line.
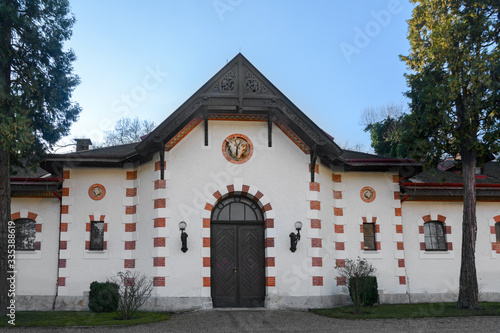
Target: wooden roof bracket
[(312, 166)]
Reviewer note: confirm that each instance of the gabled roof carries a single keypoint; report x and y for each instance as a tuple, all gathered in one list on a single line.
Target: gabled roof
[(237, 92), (240, 91)]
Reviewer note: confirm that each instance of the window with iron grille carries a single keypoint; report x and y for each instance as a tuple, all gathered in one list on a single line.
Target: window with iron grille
[(369, 237), (25, 234), (96, 236), (435, 236)]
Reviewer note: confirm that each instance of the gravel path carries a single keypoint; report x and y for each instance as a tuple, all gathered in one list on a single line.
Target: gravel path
[(289, 321)]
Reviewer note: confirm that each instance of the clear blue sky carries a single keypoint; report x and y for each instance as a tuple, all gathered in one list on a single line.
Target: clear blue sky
[(331, 58)]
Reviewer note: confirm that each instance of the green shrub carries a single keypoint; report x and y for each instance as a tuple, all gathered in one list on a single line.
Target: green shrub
[(368, 288), (103, 296)]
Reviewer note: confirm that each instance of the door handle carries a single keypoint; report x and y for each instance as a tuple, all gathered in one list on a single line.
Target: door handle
[(235, 270)]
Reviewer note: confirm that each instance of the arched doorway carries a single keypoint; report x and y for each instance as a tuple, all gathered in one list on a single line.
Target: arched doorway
[(237, 253)]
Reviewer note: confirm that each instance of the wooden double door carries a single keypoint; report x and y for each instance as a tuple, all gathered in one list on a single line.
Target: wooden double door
[(237, 253)]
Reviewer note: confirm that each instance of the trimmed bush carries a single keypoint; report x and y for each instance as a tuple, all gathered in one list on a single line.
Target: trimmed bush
[(103, 296), (368, 288)]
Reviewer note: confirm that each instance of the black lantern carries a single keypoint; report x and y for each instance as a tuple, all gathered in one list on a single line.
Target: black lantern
[(294, 238), (184, 236)]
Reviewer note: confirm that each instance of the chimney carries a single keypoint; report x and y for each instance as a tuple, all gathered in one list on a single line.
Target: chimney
[(82, 144)]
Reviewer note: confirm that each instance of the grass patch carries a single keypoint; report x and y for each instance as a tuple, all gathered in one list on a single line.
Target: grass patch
[(410, 311), (80, 318)]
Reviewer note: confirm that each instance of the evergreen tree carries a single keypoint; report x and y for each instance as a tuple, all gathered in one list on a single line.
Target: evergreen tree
[(454, 81), (36, 83)]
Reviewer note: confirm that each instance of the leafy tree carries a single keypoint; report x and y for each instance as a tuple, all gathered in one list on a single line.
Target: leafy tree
[(36, 83), (128, 130), (386, 127), (454, 81)]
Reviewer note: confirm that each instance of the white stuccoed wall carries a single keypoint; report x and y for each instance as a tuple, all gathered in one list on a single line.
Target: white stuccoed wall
[(281, 173)]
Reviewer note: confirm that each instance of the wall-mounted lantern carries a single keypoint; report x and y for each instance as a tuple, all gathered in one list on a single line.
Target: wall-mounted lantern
[(294, 238), (184, 236)]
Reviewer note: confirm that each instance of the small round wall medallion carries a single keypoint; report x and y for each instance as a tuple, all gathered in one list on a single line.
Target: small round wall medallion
[(97, 191), (367, 194), (237, 148)]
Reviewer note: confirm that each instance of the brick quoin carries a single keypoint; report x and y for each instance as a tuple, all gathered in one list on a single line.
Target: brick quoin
[(230, 188), (206, 261), (397, 195), (131, 175), (15, 216), (421, 229), (341, 281), (159, 242), (64, 227), (336, 178), (267, 207), (206, 242), (315, 205), (316, 168), (61, 281), (38, 246), (338, 211), (401, 263), (497, 218), (208, 207), (339, 228), (206, 282), (317, 281), (402, 280), (160, 203), (399, 229), (131, 192), (400, 245), (316, 242), (397, 211), (317, 262), (62, 263), (63, 245), (217, 195), (395, 178), (270, 262), (339, 246), (130, 227), (158, 165), (426, 218), (129, 263), (269, 242), (159, 262), (339, 262), (315, 224), (271, 281), (64, 209), (66, 174), (313, 186), (159, 281), (449, 246), (269, 224), (206, 223), (492, 230), (129, 245), (448, 229), (32, 216), (245, 188), (38, 227), (337, 195), (130, 210), (422, 246), (159, 222)]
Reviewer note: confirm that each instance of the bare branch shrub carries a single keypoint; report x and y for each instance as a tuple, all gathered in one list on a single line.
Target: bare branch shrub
[(134, 290)]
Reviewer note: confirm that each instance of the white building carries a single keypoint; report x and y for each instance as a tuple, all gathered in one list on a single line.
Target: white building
[(240, 164)]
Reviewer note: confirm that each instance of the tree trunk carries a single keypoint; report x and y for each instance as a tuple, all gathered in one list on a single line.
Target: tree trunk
[(468, 296), (4, 219)]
